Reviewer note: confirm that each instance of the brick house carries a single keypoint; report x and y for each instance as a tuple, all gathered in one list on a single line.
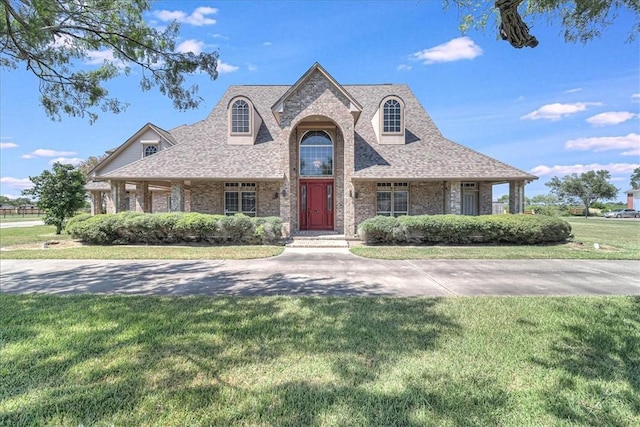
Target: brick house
[(320, 155)]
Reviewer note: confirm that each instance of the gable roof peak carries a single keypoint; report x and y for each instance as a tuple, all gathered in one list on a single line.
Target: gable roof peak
[(355, 106)]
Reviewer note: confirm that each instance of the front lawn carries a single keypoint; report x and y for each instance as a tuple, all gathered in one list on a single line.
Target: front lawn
[(283, 361)]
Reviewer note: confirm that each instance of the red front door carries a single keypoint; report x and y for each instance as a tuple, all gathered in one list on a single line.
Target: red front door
[(316, 204)]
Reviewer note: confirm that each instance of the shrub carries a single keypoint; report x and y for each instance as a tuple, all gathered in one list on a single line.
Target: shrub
[(382, 229), (458, 229), (158, 228)]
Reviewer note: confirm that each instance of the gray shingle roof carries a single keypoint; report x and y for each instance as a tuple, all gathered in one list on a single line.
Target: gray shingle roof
[(427, 154), (202, 152)]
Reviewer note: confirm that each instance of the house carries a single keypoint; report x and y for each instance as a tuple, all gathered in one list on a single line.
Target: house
[(318, 154), (633, 198)]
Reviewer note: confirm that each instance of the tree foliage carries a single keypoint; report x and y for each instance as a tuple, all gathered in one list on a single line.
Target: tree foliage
[(579, 20), (87, 165), (635, 179), (52, 39), (60, 193), (586, 188)]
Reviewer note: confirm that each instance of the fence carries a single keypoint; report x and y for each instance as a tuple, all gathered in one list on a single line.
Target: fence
[(21, 211)]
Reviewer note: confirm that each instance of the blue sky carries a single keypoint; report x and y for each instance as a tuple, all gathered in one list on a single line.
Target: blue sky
[(553, 110)]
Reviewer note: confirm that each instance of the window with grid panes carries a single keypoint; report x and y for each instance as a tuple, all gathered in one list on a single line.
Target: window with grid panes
[(392, 117), (392, 199), (240, 197), (240, 119)]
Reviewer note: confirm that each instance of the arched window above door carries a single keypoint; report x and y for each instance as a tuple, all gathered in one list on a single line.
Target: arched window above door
[(316, 154)]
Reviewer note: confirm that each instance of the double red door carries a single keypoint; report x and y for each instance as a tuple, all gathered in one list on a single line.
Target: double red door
[(316, 204)]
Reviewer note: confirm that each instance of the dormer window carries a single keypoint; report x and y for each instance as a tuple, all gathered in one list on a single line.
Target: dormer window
[(244, 122), (392, 117), (388, 121), (240, 117), (150, 147), (150, 150)]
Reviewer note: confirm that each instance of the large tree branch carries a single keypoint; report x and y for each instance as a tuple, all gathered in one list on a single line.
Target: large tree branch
[(512, 27)]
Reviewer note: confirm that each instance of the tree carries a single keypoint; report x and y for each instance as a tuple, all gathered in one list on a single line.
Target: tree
[(544, 200), (86, 166), (586, 188), (60, 194), (51, 37), (581, 20), (635, 178)]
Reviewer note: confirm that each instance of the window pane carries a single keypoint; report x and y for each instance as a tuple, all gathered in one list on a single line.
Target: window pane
[(150, 149), (249, 203), (329, 197), (231, 202), (316, 160), (392, 117), (384, 203), (240, 117), (401, 203)]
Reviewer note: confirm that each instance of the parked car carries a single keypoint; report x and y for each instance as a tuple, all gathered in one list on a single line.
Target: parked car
[(623, 213)]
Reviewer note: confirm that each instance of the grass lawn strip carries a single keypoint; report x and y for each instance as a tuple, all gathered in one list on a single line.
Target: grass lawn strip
[(118, 360)]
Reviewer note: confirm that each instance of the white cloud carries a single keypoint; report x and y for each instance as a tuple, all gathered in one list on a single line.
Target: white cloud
[(66, 160), (252, 67), (606, 143), (99, 57), (267, 44), (578, 89), (41, 152), (404, 67), (224, 68), (453, 50), (197, 18), (557, 111), (191, 45), (16, 183), (610, 118), (635, 97), (4, 145), (561, 170)]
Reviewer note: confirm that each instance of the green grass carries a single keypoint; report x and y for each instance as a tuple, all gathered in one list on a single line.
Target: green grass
[(617, 239), (281, 361), (30, 235), (20, 218)]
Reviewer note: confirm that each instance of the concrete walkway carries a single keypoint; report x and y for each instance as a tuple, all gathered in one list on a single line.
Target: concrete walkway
[(20, 224), (335, 271)]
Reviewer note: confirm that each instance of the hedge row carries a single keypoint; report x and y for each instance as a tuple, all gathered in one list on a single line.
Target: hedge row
[(160, 228), (456, 229)]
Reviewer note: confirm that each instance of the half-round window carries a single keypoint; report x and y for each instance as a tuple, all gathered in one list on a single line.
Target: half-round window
[(150, 149), (240, 117), (392, 117), (316, 154)]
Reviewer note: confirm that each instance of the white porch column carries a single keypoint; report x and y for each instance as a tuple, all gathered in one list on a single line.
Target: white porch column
[(177, 197)]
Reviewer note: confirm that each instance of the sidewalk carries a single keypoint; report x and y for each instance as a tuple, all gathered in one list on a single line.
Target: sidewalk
[(318, 271)]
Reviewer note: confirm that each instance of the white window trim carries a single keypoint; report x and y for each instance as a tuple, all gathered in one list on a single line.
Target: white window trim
[(402, 113), (333, 154), (239, 188), (392, 188), (150, 144), (251, 110)]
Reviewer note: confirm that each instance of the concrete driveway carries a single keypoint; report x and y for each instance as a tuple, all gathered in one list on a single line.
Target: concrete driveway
[(322, 272)]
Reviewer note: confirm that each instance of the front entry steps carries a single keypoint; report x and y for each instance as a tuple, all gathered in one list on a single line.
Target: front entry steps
[(317, 239)]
